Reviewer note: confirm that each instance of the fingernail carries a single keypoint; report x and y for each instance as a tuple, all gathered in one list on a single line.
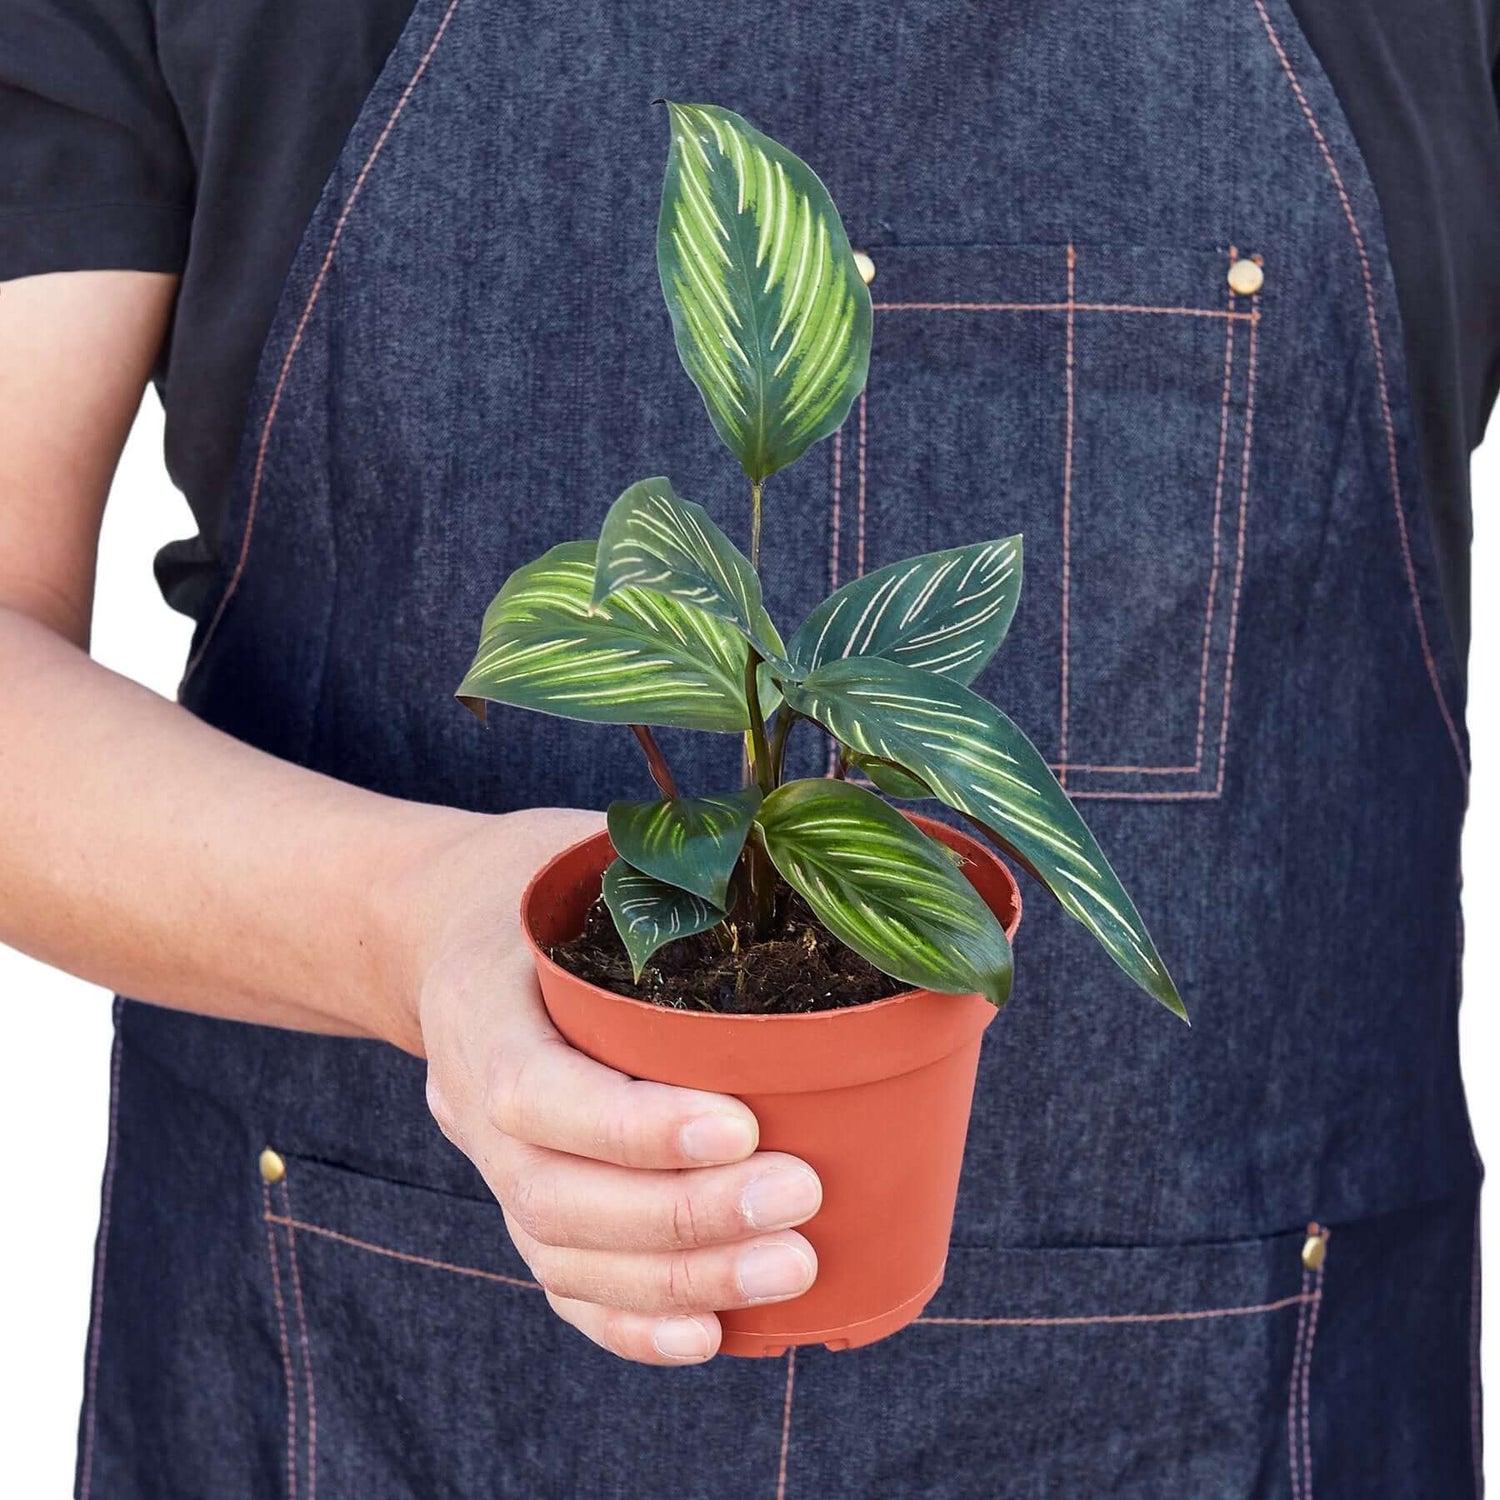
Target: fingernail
[(717, 1138), (782, 1197), (682, 1338), (769, 1272)]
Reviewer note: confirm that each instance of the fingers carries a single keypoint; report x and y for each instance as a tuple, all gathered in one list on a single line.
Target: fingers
[(768, 1268), (543, 1092), (566, 1201), (647, 1340)]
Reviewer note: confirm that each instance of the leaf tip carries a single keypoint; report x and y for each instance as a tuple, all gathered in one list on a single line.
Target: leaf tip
[(998, 994), (476, 706), (1173, 1001)]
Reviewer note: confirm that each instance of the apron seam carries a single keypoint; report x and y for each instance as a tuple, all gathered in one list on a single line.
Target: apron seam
[(311, 1449), (96, 1331), (786, 1423), (286, 1353), (293, 348), (426, 1262), (1070, 411), (1372, 319)]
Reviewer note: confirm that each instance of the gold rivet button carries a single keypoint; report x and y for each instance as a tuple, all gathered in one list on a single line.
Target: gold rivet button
[(272, 1167), (866, 266), (1314, 1248), (1246, 278)]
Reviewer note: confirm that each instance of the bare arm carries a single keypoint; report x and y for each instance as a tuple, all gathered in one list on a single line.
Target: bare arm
[(146, 851), (138, 847)]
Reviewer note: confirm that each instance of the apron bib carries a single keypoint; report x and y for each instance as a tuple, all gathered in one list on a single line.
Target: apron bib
[(1230, 643)]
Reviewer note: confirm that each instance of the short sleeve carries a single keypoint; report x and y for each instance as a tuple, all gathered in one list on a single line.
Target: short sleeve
[(95, 172)]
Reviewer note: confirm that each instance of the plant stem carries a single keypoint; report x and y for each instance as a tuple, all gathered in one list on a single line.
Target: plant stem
[(761, 767), (661, 772), (755, 489), (757, 906), (785, 718)]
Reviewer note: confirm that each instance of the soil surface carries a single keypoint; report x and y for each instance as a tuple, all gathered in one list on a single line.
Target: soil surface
[(801, 967)]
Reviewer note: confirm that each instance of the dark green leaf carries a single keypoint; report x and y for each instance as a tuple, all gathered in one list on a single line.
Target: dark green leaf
[(690, 842), (655, 540), (893, 780), (945, 612), (649, 913), (771, 315), (878, 883), (639, 659), (976, 760)]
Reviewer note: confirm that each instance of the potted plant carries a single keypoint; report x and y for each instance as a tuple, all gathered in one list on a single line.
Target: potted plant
[(678, 946)]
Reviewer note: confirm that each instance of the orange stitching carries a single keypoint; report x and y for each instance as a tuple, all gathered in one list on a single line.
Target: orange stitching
[(834, 538), (1239, 561), (1195, 1316), (859, 546), (416, 1260), (1063, 307), (296, 343), (1134, 770), (1204, 794), (1387, 419), (838, 481), (307, 1374), (786, 1422), (1213, 573), (86, 1467), (1307, 1359), (1307, 1370), (1291, 1404), (1067, 518), (286, 1351)]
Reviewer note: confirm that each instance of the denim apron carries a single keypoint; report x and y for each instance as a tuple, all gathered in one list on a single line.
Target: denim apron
[(1228, 1261)]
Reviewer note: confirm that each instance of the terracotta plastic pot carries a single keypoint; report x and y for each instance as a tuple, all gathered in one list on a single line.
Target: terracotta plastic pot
[(874, 1097)]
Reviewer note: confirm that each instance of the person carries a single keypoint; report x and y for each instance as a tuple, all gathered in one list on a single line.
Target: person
[(1203, 300)]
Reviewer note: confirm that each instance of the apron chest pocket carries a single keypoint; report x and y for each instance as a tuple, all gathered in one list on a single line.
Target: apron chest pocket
[(1100, 400)]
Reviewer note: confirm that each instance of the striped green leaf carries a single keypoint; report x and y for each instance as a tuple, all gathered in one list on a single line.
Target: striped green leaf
[(639, 659), (943, 612), (690, 842), (771, 315), (893, 780), (653, 539), (878, 883), (976, 760), (649, 913)]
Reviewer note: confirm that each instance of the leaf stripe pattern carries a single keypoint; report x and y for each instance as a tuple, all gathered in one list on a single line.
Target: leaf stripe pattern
[(771, 315), (640, 659), (649, 913), (689, 842), (881, 885), (653, 539), (945, 612), (977, 761)]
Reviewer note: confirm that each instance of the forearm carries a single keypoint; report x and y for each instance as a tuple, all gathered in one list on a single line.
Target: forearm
[(147, 852)]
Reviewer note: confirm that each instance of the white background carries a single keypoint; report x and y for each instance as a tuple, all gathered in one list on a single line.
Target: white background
[(54, 1062)]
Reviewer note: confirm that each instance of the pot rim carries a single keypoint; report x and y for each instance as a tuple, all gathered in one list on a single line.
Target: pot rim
[(942, 831)]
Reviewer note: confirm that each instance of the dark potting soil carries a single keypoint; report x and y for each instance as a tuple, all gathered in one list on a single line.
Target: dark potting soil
[(801, 967)]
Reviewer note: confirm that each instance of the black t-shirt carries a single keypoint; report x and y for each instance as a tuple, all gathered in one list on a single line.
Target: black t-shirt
[(173, 135)]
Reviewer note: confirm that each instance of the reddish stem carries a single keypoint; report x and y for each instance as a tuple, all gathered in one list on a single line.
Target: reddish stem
[(661, 772)]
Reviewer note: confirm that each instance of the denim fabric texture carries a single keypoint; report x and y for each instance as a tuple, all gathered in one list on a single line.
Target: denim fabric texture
[(1230, 643)]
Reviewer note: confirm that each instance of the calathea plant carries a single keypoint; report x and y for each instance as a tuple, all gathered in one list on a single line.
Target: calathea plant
[(660, 622)]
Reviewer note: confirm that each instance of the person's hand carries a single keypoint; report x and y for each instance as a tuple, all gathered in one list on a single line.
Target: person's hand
[(641, 1209)]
